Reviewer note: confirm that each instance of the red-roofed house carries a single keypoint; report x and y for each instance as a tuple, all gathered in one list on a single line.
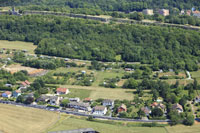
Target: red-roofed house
[(196, 14), (87, 100), (62, 91), (25, 84), (122, 108)]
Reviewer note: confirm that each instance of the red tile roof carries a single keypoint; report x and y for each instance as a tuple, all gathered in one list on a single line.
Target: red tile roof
[(23, 83), (61, 90), (88, 99), (27, 82)]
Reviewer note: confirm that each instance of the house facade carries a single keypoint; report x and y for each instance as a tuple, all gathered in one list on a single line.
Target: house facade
[(146, 110), (177, 107), (108, 102), (164, 12), (54, 100), (148, 11), (80, 106), (99, 110)]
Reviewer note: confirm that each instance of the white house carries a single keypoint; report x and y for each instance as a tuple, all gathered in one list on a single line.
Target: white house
[(108, 102), (99, 110), (54, 100)]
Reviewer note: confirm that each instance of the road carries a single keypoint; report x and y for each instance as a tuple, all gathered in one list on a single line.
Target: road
[(80, 114), (106, 19)]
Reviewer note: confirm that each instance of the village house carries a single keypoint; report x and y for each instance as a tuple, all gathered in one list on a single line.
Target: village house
[(25, 84), (60, 91), (108, 102), (16, 93), (99, 110), (7, 94), (52, 100), (146, 110), (80, 106), (76, 99), (164, 12), (89, 100), (122, 108), (196, 14), (177, 107), (148, 11), (188, 12), (159, 105)]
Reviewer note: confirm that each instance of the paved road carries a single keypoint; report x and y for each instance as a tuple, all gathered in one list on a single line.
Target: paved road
[(80, 114)]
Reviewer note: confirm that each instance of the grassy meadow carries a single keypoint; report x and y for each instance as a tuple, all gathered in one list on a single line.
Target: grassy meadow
[(18, 45), (68, 123)]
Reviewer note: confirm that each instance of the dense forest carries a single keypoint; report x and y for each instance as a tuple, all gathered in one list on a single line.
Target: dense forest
[(164, 47), (106, 5)]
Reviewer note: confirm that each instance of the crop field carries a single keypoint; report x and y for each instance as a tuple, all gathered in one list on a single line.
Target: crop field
[(16, 119), (69, 123), (17, 67), (18, 45)]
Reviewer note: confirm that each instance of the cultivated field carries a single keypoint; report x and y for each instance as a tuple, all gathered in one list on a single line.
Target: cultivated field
[(18, 45), (25, 120), (17, 67)]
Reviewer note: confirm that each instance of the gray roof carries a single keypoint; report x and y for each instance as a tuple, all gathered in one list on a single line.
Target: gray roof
[(108, 101), (81, 104), (82, 130)]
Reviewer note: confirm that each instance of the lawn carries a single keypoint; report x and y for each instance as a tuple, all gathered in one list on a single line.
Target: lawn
[(69, 123), (106, 93), (16, 119), (196, 74), (100, 75), (81, 93), (18, 45)]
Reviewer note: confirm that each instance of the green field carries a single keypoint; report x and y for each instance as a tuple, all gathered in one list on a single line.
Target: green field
[(18, 45), (105, 93), (99, 75), (69, 123), (78, 93)]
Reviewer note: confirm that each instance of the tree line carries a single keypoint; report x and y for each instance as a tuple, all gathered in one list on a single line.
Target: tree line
[(163, 47), (104, 5)]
